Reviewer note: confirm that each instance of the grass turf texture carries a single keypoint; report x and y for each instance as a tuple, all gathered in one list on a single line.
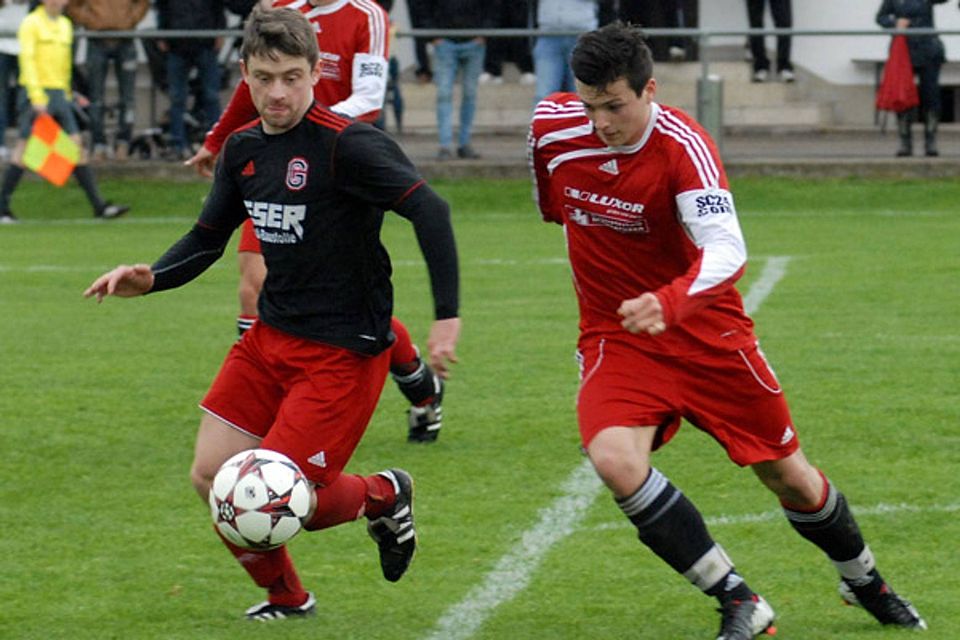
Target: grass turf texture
[(104, 538)]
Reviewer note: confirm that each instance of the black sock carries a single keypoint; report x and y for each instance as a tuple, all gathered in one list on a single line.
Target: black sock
[(418, 387), (84, 176), (834, 530), (10, 181), (671, 526)]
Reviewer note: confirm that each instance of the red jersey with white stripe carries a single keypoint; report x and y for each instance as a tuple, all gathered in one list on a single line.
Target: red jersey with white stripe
[(653, 216), (354, 37)]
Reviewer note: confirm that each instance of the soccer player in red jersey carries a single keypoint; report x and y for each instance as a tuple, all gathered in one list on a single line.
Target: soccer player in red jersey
[(353, 36), (306, 377), (656, 248)]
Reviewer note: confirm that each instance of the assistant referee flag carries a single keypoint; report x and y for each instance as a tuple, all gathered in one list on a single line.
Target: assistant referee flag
[(50, 152)]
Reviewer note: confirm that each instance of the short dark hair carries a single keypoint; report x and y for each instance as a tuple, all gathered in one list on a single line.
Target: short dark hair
[(609, 53), (271, 31)]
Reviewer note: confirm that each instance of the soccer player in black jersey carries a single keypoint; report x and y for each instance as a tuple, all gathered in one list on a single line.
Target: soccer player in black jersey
[(305, 379)]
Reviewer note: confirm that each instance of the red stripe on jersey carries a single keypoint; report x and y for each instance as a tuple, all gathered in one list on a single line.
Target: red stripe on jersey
[(696, 147), (407, 193), (327, 118)]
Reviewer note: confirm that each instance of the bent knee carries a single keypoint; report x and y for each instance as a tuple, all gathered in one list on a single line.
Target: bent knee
[(621, 472)]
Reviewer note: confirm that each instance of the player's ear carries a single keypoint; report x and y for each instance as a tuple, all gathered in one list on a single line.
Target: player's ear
[(650, 89), (243, 70), (315, 72)]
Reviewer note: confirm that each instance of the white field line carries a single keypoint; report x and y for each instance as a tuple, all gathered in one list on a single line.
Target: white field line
[(513, 571), (882, 509)]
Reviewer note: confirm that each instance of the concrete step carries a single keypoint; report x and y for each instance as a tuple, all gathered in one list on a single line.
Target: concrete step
[(507, 107)]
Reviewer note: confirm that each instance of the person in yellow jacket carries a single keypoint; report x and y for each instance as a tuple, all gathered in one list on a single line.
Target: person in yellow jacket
[(46, 66)]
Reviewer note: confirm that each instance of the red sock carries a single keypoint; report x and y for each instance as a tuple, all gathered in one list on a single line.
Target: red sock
[(273, 570), (404, 358), (349, 497)]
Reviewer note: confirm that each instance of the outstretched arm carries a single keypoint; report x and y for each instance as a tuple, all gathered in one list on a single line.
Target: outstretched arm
[(184, 261)]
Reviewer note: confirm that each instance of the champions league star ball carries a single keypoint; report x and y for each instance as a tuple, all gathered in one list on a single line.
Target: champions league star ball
[(259, 498)]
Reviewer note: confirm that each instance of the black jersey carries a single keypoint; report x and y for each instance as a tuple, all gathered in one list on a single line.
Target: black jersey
[(317, 195)]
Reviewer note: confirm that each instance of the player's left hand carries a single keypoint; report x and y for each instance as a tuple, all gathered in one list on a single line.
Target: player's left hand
[(442, 345), (643, 314)]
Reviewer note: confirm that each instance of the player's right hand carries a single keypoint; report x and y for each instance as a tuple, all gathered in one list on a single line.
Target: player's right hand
[(203, 161), (125, 281), (643, 314)]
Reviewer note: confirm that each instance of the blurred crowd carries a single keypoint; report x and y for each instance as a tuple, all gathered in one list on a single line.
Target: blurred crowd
[(192, 72)]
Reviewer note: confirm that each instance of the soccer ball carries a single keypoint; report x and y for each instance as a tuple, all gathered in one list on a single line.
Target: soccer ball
[(259, 498)]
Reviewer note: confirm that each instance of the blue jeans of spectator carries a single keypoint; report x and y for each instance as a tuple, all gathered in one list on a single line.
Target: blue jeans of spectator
[(449, 58), (551, 62), (178, 79), (123, 54), (8, 71)]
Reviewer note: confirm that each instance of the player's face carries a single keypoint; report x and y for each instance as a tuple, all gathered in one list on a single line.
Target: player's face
[(618, 114), (281, 89)]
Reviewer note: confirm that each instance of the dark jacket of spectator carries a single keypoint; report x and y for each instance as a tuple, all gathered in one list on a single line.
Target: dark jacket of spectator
[(924, 50), (192, 15), (462, 14)]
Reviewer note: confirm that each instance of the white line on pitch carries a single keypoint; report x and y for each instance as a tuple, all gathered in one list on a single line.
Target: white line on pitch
[(882, 509), (513, 571)]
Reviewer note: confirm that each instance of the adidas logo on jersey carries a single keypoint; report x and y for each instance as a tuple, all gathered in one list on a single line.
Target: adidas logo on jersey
[(610, 166), (248, 169)]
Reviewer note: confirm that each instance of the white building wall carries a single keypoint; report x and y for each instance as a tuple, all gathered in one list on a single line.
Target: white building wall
[(830, 57)]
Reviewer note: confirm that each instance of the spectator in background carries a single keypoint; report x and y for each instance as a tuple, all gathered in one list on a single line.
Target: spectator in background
[(782, 13), (12, 13), (462, 55), (183, 54), (668, 14), (927, 54), (46, 65), (110, 15), (675, 18), (513, 15), (551, 54), (419, 11)]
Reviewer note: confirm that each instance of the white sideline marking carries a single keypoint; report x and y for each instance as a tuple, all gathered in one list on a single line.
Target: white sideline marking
[(513, 571), (882, 509)]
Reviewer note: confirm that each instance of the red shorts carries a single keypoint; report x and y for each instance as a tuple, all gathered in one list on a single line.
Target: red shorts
[(248, 239), (734, 396), (308, 400)]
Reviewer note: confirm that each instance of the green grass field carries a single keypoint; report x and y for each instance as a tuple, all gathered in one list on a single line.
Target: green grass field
[(104, 538)]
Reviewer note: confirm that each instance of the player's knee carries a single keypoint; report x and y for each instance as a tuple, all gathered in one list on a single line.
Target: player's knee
[(621, 472), (797, 485)]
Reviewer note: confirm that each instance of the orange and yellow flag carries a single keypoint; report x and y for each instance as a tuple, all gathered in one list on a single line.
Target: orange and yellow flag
[(50, 151)]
